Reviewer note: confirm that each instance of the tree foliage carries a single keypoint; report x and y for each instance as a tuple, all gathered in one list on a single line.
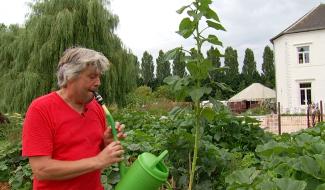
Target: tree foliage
[(214, 56), (31, 53), (163, 67), (249, 71), (179, 64), (232, 77), (147, 68), (268, 68)]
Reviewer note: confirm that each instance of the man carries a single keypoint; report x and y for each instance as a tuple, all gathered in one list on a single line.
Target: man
[(65, 134)]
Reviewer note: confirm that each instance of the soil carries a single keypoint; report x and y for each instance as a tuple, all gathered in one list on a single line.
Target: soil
[(4, 186)]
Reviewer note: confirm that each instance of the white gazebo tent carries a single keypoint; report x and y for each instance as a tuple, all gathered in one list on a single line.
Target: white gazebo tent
[(254, 93)]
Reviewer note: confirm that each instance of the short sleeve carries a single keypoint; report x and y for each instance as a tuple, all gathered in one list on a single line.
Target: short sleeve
[(37, 137)]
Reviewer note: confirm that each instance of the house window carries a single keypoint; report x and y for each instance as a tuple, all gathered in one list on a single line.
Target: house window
[(303, 54), (305, 93)]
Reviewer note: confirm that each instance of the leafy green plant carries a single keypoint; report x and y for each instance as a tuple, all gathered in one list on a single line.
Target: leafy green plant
[(11, 131), (140, 96), (198, 12), (14, 168), (163, 92), (289, 161)]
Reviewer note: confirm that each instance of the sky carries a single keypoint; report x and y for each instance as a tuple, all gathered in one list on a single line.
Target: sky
[(150, 25)]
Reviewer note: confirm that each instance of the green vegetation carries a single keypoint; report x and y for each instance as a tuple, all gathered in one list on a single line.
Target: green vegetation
[(233, 150), (208, 148)]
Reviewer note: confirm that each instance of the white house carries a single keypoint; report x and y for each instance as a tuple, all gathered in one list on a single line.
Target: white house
[(299, 55)]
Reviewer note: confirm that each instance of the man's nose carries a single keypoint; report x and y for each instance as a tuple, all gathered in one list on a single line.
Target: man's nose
[(97, 82)]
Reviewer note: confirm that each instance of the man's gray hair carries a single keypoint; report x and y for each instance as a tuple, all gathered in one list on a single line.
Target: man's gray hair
[(75, 60)]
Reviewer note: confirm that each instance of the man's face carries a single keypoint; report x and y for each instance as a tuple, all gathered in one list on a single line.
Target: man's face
[(87, 82)]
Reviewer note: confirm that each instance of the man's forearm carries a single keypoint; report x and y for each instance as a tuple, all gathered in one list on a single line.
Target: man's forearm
[(51, 169)]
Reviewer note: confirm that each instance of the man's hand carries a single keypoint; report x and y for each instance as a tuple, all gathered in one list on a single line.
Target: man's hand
[(111, 154), (108, 136)]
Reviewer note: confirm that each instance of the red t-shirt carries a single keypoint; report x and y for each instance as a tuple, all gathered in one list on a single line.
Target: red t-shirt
[(53, 128)]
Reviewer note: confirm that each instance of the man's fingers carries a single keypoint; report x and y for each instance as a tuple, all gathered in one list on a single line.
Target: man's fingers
[(121, 135), (118, 153), (121, 127), (114, 143)]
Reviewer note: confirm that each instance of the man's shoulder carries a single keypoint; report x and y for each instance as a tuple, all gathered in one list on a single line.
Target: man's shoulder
[(44, 100)]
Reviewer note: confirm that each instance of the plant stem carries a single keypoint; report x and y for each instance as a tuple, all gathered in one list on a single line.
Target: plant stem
[(197, 116), (196, 143)]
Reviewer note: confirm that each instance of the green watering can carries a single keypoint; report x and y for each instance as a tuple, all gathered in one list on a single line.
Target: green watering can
[(148, 172)]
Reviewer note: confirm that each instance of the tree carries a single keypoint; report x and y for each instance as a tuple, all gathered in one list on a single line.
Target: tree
[(179, 64), (249, 71), (268, 68), (32, 52), (147, 68), (138, 71), (231, 73), (213, 55), (163, 67)]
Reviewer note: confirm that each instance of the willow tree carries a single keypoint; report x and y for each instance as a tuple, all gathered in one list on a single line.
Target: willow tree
[(51, 27)]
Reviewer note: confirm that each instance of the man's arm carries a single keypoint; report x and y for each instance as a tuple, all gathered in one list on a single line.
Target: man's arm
[(46, 168)]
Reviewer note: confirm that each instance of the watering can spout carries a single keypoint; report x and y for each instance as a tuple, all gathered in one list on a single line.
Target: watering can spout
[(160, 158)]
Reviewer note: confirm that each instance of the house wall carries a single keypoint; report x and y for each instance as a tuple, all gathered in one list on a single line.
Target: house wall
[(289, 74)]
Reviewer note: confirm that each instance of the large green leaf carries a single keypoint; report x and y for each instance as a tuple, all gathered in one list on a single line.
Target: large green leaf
[(199, 71), (208, 114), (272, 148), (197, 93), (186, 28), (215, 25), (180, 84), (210, 14), (308, 165), (266, 185), (321, 187), (320, 159), (171, 79), (318, 148), (171, 54), (290, 184), (180, 11), (214, 40), (245, 176), (205, 3), (305, 139)]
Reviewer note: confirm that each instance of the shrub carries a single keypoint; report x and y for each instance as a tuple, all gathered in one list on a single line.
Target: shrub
[(163, 92)]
